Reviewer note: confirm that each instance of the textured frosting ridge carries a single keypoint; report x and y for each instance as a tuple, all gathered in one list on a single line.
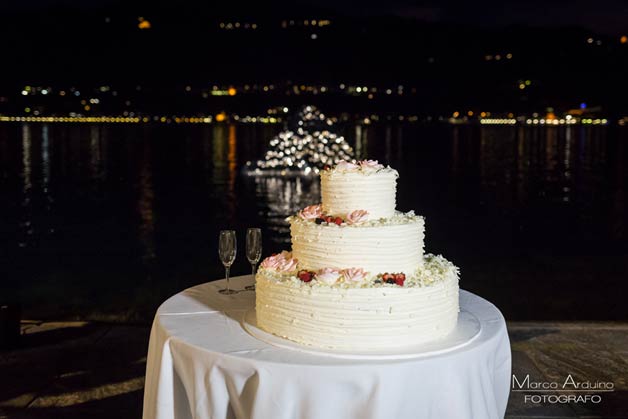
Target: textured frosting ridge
[(355, 318), (374, 247), (374, 191)]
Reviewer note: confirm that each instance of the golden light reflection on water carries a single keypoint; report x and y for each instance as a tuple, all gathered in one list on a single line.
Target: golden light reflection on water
[(535, 163), (224, 170), (232, 158), (218, 153)]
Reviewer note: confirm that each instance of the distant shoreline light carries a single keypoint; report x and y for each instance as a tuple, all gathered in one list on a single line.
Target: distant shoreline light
[(224, 118), (145, 119)]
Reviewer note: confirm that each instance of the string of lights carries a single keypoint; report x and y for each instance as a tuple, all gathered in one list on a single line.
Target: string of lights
[(308, 145)]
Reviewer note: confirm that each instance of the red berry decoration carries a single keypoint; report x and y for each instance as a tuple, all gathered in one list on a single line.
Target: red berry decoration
[(400, 278), (305, 276), (388, 278), (338, 220), (329, 219)]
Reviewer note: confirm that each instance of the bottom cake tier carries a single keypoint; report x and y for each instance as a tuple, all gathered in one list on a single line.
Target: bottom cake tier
[(373, 315)]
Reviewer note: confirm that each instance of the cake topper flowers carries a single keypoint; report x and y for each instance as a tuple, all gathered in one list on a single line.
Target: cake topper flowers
[(287, 265), (370, 165), (354, 275), (282, 262), (357, 216), (347, 165), (364, 166), (312, 212)]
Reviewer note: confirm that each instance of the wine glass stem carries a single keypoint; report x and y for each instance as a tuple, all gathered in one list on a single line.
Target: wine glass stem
[(227, 268), (253, 269)]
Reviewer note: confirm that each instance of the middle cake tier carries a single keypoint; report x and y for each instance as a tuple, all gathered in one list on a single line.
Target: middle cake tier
[(382, 246)]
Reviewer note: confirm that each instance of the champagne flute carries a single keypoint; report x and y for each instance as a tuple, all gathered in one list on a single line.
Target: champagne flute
[(253, 250), (227, 251)]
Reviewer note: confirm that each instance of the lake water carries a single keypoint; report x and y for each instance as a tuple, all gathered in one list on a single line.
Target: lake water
[(106, 221)]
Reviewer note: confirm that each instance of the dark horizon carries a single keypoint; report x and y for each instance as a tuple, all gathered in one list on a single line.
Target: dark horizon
[(604, 18), (445, 63)]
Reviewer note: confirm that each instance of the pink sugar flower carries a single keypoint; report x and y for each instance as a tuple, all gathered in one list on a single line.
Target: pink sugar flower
[(357, 216), (328, 275), (312, 212), (282, 262), (271, 262), (287, 265), (353, 275), (370, 165)]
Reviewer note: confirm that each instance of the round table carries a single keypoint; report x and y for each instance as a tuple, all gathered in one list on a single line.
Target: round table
[(203, 364)]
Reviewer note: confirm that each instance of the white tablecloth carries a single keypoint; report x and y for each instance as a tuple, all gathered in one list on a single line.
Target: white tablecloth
[(203, 364)]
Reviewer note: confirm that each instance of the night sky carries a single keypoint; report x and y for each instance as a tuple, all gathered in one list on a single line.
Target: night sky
[(603, 16)]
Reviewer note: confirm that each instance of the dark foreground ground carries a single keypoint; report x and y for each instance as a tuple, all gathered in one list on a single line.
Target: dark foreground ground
[(80, 370)]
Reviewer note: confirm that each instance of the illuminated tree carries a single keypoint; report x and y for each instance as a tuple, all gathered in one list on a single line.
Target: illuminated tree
[(303, 149)]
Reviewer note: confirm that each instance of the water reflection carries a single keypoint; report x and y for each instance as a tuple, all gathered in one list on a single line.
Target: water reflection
[(283, 197), (144, 202), (399, 145), (45, 157), (47, 195), (231, 158), (145, 208), (224, 168), (531, 166), (361, 142), (27, 188), (387, 143), (26, 162), (96, 166), (219, 140)]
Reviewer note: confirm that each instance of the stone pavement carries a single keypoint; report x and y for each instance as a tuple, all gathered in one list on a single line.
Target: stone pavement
[(589, 352), (92, 370)]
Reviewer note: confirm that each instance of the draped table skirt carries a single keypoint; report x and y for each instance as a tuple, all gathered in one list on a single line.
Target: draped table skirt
[(202, 363)]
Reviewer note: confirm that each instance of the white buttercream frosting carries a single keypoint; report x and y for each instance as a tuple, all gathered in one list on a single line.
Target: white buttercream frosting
[(372, 190), (377, 247), (357, 277), (380, 317)]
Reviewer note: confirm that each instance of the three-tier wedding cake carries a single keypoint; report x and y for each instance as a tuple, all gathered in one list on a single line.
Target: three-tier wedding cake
[(357, 277)]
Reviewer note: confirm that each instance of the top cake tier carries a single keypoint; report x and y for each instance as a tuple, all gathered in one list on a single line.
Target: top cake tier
[(365, 185)]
